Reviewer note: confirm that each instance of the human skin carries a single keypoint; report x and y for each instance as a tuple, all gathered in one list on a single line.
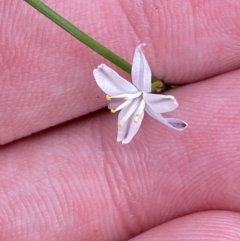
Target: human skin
[(74, 181)]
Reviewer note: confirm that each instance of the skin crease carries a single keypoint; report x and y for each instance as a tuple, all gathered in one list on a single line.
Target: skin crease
[(199, 226), (74, 181)]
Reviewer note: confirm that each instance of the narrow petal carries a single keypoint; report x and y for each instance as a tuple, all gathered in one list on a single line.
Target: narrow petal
[(160, 103), (174, 123), (111, 82), (125, 113), (133, 129), (131, 122), (141, 73)]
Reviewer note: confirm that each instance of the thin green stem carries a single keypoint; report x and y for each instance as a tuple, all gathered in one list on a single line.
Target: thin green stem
[(83, 37)]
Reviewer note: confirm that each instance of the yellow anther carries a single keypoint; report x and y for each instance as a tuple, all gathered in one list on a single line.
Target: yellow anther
[(120, 125), (108, 97), (126, 98), (138, 114), (113, 111), (136, 121)]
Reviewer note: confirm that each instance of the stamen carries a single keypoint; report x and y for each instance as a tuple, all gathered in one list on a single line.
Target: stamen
[(140, 108), (126, 96), (140, 111), (113, 111), (131, 110), (119, 96), (120, 125), (132, 96), (123, 105), (108, 97)]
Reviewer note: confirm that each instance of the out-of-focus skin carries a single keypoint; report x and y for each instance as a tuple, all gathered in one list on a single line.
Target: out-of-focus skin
[(74, 181)]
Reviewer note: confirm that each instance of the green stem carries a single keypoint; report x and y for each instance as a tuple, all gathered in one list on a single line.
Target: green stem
[(83, 37)]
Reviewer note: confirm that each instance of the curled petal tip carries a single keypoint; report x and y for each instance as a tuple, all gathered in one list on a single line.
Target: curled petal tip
[(100, 66), (176, 103), (170, 97), (177, 124), (120, 140), (124, 142), (141, 45)]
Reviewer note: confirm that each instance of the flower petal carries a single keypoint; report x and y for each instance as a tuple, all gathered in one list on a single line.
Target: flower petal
[(174, 123), (141, 73), (160, 103), (131, 124), (111, 82), (133, 129)]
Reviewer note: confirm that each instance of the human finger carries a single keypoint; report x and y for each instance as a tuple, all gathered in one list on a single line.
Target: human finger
[(211, 226), (77, 182), (46, 75)]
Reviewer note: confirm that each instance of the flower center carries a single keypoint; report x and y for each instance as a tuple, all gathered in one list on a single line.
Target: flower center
[(132, 96), (127, 97)]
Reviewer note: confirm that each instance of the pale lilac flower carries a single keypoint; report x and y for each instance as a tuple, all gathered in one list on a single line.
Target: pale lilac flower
[(133, 99)]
